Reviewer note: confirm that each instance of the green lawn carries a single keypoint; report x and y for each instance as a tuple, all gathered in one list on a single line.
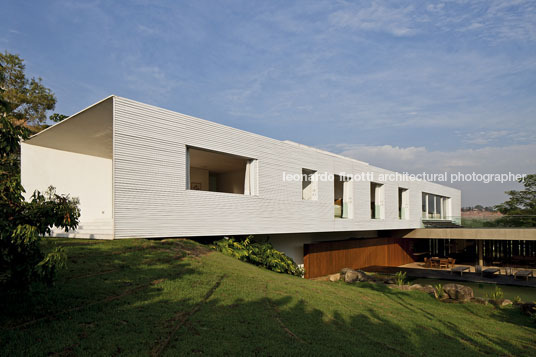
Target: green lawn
[(140, 297)]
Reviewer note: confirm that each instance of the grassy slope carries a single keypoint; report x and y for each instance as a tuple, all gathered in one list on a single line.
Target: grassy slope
[(170, 297)]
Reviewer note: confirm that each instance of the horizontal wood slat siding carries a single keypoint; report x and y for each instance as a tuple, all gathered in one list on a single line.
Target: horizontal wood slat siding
[(325, 258), (150, 175)]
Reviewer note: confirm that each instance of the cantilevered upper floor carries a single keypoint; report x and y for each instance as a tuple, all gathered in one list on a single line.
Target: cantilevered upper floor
[(143, 171)]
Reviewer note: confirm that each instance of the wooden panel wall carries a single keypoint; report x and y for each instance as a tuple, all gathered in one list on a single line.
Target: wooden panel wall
[(330, 257)]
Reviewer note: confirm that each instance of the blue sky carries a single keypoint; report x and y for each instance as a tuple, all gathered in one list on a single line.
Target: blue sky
[(411, 86)]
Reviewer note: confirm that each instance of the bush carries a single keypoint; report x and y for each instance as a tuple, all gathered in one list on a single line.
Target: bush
[(400, 278), (23, 223), (440, 291), (260, 254), (497, 294)]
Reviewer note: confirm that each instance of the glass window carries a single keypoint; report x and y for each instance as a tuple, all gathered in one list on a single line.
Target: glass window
[(424, 210), (431, 206)]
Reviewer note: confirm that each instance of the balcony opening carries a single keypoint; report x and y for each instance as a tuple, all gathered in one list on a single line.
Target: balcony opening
[(309, 185), (377, 210), (220, 172), (342, 193), (403, 203)]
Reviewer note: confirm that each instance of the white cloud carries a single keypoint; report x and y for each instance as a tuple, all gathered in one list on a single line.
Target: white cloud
[(516, 159), (376, 17)]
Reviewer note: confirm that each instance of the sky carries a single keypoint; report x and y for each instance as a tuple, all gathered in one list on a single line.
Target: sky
[(413, 86)]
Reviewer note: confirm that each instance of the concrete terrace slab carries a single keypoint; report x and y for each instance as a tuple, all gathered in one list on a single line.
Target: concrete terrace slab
[(417, 272), (472, 233)]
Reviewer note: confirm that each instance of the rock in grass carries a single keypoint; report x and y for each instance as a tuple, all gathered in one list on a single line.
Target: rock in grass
[(430, 290), (351, 276), (500, 302), (335, 277), (458, 292), (506, 302), (345, 270), (362, 276), (479, 300)]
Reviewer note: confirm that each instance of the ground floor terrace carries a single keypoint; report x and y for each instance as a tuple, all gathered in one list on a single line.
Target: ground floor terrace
[(478, 254), (503, 248), (418, 270)]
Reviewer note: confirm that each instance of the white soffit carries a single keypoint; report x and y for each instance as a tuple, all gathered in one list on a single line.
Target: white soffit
[(88, 132)]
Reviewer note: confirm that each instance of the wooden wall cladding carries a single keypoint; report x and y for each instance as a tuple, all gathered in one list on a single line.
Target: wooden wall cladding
[(330, 257)]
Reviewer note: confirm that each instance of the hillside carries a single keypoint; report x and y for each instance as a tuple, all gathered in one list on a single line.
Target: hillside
[(175, 297)]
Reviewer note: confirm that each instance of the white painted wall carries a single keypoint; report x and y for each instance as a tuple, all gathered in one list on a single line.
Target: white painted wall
[(151, 199), (87, 177)]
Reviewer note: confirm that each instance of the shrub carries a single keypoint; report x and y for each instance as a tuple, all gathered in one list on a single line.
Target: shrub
[(260, 254), (440, 291), (517, 300), (400, 278), (497, 294), (23, 223)]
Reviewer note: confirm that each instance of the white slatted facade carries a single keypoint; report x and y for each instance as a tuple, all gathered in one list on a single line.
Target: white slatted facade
[(150, 181)]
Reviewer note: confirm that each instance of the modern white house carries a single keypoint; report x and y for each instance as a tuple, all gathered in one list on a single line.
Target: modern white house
[(146, 172)]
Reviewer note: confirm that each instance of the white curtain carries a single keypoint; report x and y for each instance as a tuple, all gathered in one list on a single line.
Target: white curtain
[(250, 178)]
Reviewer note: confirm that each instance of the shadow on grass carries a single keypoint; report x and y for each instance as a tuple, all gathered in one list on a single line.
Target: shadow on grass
[(155, 298), (281, 327), (100, 272)]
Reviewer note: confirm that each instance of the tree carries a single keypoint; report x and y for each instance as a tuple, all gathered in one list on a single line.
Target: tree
[(521, 207), (57, 117), (29, 98), (521, 202), (23, 223)]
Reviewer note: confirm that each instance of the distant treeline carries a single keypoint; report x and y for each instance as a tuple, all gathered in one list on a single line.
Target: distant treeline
[(479, 208)]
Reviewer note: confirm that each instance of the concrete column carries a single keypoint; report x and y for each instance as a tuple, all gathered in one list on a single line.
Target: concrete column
[(480, 253)]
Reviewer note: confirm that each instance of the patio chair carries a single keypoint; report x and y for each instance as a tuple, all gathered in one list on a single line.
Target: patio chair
[(452, 261), (427, 263)]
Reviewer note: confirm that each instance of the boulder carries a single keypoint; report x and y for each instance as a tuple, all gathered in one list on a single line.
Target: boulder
[(479, 300), (403, 287), (351, 276), (344, 270), (500, 302), (429, 289), (506, 302), (335, 277), (458, 292), (362, 276)]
